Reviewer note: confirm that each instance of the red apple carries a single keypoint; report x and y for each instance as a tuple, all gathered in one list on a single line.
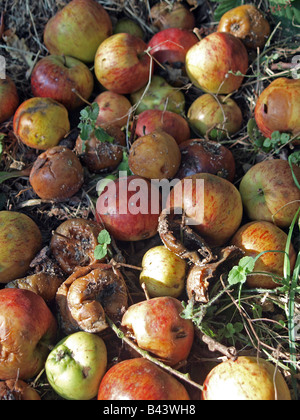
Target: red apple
[(122, 64), (140, 379), (9, 99), (56, 77), (211, 204), (269, 192), (256, 237), (78, 29), (215, 117), (113, 108), (199, 155), (171, 45), (168, 121), (158, 328), (27, 330), (278, 107), (129, 208), (209, 63), (171, 15)]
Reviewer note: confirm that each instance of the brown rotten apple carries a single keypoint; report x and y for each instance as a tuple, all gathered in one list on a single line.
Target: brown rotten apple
[(140, 379), (278, 107), (122, 64), (17, 390), (158, 328), (213, 62), (27, 330), (9, 99), (59, 78), (78, 29)]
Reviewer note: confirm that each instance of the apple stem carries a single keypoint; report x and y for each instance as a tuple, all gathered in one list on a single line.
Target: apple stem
[(81, 97), (198, 34)]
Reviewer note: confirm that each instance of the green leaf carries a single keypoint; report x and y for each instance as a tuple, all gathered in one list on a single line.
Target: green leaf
[(124, 165), (100, 251), (102, 135), (225, 6), (288, 13), (238, 273), (104, 237)]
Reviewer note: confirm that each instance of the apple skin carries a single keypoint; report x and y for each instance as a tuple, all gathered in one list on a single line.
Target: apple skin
[(164, 273), (113, 108), (258, 236), (76, 365), (199, 155), (278, 108), (27, 329), (207, 114), (171, 45), (55, 76), (128, 226), (139, 379), (41, 123), (129, 26), (9, 99), (246, 378), (158, 328), (216, 212), (208, 62), (20, 241), (168, 121), (267, 188), (121, 63), (172, 15), (77, 30)]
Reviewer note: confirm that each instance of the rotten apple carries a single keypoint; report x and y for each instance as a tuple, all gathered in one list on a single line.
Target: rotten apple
[(17, 390), (77, 30), (157, 327), (122, 64), (199, 155), (139, 379), (27, 330), (170, 122), (259, 236), (217, 64), (165, 15), (61, 78), (9, 99), (269, 192), (41, 123)]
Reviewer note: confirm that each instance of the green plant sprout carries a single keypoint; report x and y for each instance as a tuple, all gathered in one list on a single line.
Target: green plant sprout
[(102, 249)]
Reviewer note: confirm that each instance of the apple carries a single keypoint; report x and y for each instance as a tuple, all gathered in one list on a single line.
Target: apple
[(129, 207), (168, 121), (113, 108), (259, 236), (129, 26), (217, 117), (211, 204), (171, 15), (139, 379), (27, 330), (171, 45), (155, 156), (159, 329), (247, 23), (57, 77), (20, 241), (199, 155), (77, 30), (246, 378), (76, 365), (159, 95), (41, 123), (9, 99), (17, 390), (269, 192), (209, 63), (122, 64), (277, 108), (164, 273)]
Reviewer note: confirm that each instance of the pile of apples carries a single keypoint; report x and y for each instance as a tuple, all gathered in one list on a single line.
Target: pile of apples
[(55, 319)]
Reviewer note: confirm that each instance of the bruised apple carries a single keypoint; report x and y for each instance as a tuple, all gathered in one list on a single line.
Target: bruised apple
[(140, 379), (20, 241), (259, 236), (9, 99), (246, 378), (158, 328), (27, 330), (278, 108)]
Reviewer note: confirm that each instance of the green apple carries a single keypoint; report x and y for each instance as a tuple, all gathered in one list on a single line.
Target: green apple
[(128, 26), (163, 272), (160, 95), (76, 365)]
